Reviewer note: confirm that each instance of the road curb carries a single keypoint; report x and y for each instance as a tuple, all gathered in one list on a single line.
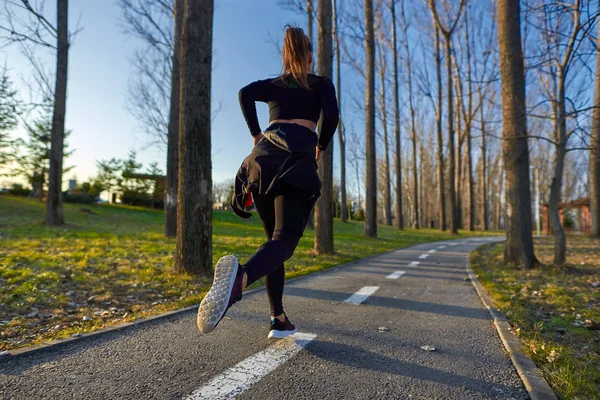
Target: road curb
[(58, 343), (532, 378)]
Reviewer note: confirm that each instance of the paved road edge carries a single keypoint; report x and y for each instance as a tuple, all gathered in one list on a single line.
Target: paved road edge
[(532, 378), (57, 343)]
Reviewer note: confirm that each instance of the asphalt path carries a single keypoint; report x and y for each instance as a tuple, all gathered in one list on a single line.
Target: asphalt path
[(363, 334)]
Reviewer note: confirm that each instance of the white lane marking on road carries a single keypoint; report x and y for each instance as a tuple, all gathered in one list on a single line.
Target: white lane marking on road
[(441, 247), (452, 244), (423, 256), (361, 295), (414, 263), (396, 275), (432, 251), (239, 378)]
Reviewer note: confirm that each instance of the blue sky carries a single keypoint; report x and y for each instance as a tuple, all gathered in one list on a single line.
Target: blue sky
[(99, 70)]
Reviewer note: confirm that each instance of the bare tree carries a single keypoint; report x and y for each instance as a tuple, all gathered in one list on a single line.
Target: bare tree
[(371, 161), (173, 138), (324, 206), (398, 151), (557, 62), (411, 108), (194, 203), (519, 243), (440, 138), (54, 209), (341, 133), (447, 31)]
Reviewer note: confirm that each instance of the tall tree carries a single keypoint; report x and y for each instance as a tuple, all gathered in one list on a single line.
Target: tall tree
[(447, 31), (411, 108), (387, 187), (341, 133), (173, 138), (54, 209), (194, 197), (324, 206), (399, 222), (371, 161), (440, 138), (519, 240), (559, 55), (595, 150)]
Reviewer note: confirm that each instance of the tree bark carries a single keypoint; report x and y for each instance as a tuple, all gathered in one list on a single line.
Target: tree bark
[(194, 203), (54, 201), (173, 139), (371, 165), (454, 222), (595, 153), (387, 191), (519, 243), (341, 133), (484, 186), (560, 240), (440, 138), (324, 206), (399, 221)]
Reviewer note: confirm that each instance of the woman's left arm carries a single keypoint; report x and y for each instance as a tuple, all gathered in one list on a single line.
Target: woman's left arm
[(331, 114)]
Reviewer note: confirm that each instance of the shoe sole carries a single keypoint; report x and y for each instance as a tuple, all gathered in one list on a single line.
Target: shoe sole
[(214, 304), (274, 334)]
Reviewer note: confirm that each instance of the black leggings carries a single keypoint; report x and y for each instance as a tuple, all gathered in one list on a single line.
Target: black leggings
[(284, 216)]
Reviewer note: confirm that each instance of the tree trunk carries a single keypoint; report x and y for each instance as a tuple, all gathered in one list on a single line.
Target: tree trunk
[(440, 139), (595, 153), (454, 222), (371, 165), (194, 202), (560, 240), (54, 201), (399, 222), (387, 191), (484, 187), (469, 116), (519, 243), (458, 182), (324, 206), (341, 133), (173, 139)]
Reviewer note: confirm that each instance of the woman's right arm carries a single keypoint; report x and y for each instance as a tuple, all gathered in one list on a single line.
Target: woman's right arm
[(249, 95)]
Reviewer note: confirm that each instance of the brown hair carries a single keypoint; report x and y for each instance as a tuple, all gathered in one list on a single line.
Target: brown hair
[(296, 54)]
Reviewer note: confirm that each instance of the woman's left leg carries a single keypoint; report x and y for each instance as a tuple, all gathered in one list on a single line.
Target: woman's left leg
[(274, 282)]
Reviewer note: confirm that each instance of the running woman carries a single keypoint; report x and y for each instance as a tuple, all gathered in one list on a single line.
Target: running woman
[(279, 176)]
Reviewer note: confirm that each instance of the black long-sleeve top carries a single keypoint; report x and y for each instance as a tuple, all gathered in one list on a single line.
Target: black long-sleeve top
[(288, 100)]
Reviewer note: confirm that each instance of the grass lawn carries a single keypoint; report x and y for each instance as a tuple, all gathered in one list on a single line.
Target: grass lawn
[(554, 311), (112, 264)]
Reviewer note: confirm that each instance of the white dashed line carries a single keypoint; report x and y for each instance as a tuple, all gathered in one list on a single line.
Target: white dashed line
[(423, 256), (441, 247), (414, 263), (452, 244), (432, 251), (396, 275), (239, 378), (362, 295)]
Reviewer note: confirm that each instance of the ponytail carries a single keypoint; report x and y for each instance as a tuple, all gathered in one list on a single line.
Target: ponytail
[(296, 54)]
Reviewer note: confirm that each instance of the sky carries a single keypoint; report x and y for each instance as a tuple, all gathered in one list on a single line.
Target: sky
[(99, 69)]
